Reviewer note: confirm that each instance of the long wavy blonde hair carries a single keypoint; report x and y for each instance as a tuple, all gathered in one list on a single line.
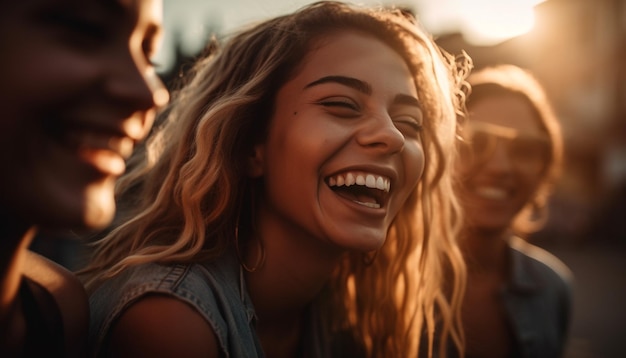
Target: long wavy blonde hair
[(183, 192)]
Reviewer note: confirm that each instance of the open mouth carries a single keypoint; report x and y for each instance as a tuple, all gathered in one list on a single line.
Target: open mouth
[(367, 189), (78, 136), (104, 151)]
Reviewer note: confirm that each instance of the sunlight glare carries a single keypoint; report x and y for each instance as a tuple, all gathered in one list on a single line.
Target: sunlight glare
[(487, 22)]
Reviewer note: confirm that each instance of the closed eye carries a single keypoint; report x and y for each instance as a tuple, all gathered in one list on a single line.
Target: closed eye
[(338, 103), (416, 126), (340, 107), (77, 26), (408, 125)]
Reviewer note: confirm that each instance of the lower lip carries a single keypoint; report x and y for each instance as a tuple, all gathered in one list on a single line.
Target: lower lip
[(482, 203), (360, 207), (492, 198), (103, 160)]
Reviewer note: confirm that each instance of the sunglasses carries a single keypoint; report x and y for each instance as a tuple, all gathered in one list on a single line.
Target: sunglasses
[(526, 152)]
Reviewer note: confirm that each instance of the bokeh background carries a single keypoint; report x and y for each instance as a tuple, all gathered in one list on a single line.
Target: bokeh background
[(577, 50)]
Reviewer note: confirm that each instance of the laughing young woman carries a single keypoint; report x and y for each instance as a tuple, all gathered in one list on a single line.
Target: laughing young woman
[(295, 203), (78, 90)]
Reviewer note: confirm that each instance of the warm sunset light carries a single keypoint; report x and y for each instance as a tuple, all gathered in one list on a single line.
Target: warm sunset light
[(482, 22), (486, 22)]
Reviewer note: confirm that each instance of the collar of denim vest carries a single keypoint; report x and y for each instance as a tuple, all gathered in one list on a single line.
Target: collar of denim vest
[(523, 277)]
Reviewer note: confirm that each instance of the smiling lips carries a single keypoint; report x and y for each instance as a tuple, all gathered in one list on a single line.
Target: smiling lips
[(363, 188), (104, 152), (491, 192)]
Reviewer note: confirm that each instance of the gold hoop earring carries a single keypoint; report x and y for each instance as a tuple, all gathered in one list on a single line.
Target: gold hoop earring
[(260, 258), (369, 258), (532, 217), (539, 213)]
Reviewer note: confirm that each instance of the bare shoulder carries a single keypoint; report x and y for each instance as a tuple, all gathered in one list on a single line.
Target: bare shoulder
[(161, 326), (70, 297)]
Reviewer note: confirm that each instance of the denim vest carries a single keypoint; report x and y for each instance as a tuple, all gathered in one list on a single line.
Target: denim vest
[(216, 290), (538, 300), (538, 303)]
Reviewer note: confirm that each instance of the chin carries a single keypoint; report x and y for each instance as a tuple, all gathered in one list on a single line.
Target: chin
[(93, 209), (89, 216), (78, 218), (363, 241), (97, 219), (489, 226), (99, 209), (491, 218)]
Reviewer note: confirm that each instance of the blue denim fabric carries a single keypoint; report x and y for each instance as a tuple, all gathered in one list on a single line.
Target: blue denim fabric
[(538, 299), (215, 290)]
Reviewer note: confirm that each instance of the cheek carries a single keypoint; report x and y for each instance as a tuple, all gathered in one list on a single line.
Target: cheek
[(305, 137), (290, 158), (531, 183), (413, 170), (57, 81), (413, 163)]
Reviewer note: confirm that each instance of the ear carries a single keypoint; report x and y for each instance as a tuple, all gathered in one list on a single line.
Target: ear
[(254, 167)]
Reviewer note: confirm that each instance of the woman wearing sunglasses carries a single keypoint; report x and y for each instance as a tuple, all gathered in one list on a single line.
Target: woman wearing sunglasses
[(518, 297)]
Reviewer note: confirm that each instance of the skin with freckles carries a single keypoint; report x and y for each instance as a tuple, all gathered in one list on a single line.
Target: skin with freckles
[(78, 91)]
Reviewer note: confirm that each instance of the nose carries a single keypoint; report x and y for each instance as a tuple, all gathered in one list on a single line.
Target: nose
[(380, 134), (138, 88), (160, 94), (499, 160)]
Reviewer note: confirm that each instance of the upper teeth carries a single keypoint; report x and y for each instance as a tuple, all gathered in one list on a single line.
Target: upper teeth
[(491, 192), (357, 178)]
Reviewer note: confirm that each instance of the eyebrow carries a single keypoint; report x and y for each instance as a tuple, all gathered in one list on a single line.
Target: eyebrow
[(357, 84), (407, 100), (365, 88)]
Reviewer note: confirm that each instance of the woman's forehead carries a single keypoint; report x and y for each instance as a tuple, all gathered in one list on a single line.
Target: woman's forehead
[(507, 110)]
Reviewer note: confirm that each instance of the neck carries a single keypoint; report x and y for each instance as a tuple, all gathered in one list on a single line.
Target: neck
[(295, 270), (485, 250), (291, 277)]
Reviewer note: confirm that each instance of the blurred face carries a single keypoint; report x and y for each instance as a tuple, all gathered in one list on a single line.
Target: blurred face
[(343, 151), (506, 161), (78, 90)]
